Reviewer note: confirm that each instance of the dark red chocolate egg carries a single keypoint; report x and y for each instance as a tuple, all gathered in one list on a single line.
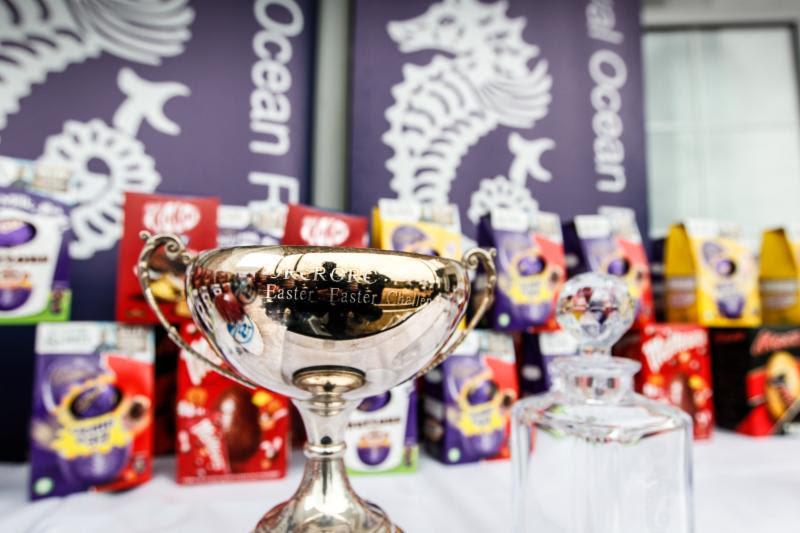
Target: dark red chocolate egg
[(239, 424)]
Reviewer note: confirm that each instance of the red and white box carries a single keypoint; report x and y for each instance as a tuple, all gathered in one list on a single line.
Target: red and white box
[(194, 220), (225, 431), (676, 369), (316, 227)]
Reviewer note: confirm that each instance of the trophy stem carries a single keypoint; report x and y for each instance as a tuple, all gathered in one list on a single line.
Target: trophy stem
[(325, 501)]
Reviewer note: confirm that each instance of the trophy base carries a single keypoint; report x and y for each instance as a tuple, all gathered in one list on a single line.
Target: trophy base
[(292, 516), (326, 503)]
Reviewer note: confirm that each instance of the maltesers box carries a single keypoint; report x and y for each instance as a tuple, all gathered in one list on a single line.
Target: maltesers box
[(34, 259), (779, 276), (530, 267), (194, 220), (757, 379), (610, 243), (537, 351), (381, 436), (92, 408), (226, 431), (676, 369), (467, 400), (711, 276), (316, 227)]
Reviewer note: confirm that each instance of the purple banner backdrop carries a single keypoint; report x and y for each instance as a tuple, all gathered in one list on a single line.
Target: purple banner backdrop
[(496, 103), (203, 97)]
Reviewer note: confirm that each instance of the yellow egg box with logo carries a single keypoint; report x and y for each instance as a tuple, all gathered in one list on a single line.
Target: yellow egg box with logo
[(711, 275), (779, 273)]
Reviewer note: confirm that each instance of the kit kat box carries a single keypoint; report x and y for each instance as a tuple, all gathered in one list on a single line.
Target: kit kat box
[(676, 369), (316, 227), (194, 220), (226, 431), (92, 408), (757, 379)]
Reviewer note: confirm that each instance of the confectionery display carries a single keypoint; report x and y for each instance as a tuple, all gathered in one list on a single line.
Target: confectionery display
[(610, 243), (375, 266), (224, 430), (194, 220), (530, 267), (467, 400), (757, 379), (675, 368), (92, 408), (382, 434), (711, 276), (34, 265)]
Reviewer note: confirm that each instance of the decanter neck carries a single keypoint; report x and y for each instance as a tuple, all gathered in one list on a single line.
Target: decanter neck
[(595, 377)]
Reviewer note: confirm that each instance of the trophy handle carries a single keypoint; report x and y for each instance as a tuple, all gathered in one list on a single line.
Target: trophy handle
[(471, 259), (175, 249)]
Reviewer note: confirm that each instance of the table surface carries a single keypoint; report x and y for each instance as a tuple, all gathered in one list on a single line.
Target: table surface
[(742, 484)]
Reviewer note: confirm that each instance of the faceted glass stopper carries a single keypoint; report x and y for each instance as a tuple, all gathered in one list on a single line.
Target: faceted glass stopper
[(596, 309)]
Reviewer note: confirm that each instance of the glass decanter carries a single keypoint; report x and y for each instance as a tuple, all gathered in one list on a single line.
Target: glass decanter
[(591, 455)]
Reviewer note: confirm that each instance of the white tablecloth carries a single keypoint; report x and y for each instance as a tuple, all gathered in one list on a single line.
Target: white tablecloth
[(742, 485)]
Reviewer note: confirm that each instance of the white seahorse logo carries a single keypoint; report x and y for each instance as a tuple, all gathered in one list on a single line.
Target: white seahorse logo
[(106, 160), (45, 36), (481, 80)]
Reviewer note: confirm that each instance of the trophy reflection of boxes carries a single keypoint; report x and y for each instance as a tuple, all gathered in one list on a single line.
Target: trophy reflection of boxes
[(780, 276), (225, 431), (467, 400), (382, 434), (676, 369), (610, 243), (711, 276), (757, 379)]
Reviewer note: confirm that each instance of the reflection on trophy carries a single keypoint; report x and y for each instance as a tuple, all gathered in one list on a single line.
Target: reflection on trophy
[(327, 327)]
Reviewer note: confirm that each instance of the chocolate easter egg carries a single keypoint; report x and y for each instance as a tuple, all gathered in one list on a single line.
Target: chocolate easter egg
[(239, 424), (14, 232), (95, 401)]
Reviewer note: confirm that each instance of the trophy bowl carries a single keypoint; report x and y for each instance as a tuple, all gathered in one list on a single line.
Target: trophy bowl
[(326, 327)]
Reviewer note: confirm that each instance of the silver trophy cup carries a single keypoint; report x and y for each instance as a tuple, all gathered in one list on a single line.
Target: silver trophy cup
[(326, 327)]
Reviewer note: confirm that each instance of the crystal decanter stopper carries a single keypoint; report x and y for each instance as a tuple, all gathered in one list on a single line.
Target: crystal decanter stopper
[(591, 455)]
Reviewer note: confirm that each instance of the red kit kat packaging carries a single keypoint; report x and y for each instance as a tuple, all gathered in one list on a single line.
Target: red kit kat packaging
[(676, 368), (225, 431), (315, 227), (193, 219), (757, 379)]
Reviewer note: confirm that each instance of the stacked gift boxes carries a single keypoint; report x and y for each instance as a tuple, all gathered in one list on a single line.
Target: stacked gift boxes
[(151, 398)]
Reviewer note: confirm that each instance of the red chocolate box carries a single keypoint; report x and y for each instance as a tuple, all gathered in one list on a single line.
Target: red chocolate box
[(193, 219), (225, 431), (316, 227), (676, 369), (757, 379)]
